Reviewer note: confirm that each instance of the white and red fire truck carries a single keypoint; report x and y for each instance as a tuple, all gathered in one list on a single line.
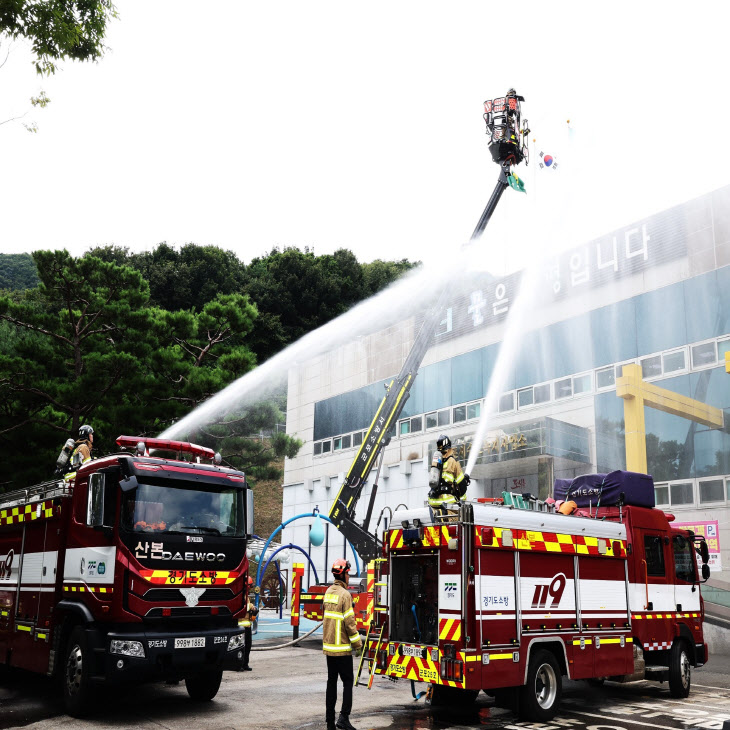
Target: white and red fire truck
[(511, 600), (135, 569)]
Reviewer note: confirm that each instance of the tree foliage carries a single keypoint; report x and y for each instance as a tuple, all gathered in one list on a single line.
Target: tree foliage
[(86, 346), (58, 29), (18, 271)]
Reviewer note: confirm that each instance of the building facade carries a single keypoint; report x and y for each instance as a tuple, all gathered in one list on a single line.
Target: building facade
[(655, 293)]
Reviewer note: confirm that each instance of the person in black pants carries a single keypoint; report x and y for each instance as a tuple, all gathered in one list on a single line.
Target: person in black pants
[(339, 637)]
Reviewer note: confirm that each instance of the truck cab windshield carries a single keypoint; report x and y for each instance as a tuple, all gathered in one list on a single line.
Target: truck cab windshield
[(179, 509)]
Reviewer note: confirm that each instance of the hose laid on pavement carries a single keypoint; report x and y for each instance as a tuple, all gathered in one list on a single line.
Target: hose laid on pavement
[(289, 643)]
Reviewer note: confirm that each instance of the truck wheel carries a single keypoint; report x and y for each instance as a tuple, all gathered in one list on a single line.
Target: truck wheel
[(679, 670), (76, 670), (540, 696), (203, 687)]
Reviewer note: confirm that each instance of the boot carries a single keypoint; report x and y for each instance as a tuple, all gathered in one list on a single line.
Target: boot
[(343, 723)]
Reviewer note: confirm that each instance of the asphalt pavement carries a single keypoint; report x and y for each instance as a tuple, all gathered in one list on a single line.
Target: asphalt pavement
[(286, 690)]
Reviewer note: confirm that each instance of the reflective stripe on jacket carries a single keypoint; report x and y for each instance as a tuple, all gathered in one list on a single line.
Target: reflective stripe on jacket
[(339, 629), (247, 619)]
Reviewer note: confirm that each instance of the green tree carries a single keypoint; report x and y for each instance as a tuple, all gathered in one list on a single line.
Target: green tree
[(17, 271), (87, 347), (58, 29)]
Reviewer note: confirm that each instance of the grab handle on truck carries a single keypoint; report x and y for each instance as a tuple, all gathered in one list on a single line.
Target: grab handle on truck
[(646, 580)]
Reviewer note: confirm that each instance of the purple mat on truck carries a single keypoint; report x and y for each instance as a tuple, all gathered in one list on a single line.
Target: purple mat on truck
[(605, 490)]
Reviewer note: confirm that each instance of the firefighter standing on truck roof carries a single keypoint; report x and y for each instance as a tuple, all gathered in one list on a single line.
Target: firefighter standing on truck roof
[(447, 482), (81, 453), (339, 637)]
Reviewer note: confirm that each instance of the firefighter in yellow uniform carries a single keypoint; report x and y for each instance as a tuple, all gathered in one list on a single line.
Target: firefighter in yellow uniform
[(447, 482), (339, 637), (81, 453)]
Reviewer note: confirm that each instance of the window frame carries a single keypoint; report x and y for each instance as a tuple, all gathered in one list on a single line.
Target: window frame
[(704, 480), (682, 505), (674, 351), (704, 366)]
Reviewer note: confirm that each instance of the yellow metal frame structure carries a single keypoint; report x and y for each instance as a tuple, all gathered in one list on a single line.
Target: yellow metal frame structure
[(637, 394)]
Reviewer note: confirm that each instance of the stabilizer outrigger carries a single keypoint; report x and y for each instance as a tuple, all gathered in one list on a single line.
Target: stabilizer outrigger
[(508, 146)]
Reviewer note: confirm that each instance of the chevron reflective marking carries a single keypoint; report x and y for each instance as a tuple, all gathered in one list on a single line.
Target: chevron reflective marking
[(432, 537), (551, 542), (449, 629), (26, 513)]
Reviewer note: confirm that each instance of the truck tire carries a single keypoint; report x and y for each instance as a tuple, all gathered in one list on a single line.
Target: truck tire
[(679, 669), (75, 676), (539, 698), (203, 686)]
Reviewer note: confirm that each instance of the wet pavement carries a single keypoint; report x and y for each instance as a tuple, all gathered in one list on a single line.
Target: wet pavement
[(286, 690)]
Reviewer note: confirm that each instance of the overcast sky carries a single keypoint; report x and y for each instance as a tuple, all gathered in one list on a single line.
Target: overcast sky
[(250, 125)]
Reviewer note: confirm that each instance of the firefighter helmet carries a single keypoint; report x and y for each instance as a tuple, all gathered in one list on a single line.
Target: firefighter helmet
[(340, 567), (85, 431), (443, 443)]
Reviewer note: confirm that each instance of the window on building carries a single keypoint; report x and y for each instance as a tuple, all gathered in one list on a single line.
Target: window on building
[(674, 362), (459, 414), (563, 388), (337, 443), (722, 347), (684, 559), (357, 438), (507, 402), (411, 425), (582, 384), (473, 410), (661, 494), (431, 420), (326, 446), (525, 397), (444, 417), (651, 367), (542, 393), (681, 493), (654, 555), (317, 448), (704, 354), (346, 441), (712, 490), (605, 378)]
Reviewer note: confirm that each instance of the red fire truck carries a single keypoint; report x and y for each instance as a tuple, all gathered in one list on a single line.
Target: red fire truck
[(135, 569), (511, 600)]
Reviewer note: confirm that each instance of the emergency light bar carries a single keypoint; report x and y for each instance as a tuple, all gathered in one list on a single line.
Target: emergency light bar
[(182, 446)]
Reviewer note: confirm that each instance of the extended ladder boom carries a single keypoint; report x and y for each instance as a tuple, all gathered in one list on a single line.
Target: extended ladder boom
[(376, 439)]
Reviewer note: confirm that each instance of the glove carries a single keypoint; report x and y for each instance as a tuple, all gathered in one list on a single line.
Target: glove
[(467, 480)]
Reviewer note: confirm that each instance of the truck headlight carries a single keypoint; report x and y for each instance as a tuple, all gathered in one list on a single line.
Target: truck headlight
[(127, 648), (236, 642)]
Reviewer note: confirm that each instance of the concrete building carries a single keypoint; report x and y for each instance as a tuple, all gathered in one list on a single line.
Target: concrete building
[(655, 293)]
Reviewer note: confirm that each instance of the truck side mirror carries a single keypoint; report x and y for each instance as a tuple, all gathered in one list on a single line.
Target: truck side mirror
[(704, 552), (249, 512), (705, 571), (95, 501)]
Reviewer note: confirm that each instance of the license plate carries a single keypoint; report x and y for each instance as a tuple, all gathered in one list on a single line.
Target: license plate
[(412, 651), (197, 642)]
